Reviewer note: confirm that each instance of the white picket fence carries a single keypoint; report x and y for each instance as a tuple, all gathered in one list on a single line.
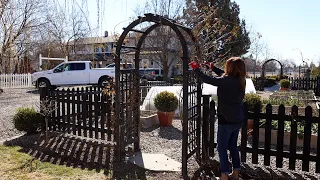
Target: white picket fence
[(15, 81)]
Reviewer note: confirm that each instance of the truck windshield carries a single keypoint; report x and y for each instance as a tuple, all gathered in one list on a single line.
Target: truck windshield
[(59, 69)]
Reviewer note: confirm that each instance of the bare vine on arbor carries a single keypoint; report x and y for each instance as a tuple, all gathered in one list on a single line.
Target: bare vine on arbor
[(218, 27)]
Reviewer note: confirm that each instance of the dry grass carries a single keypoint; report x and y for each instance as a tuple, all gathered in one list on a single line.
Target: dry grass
[(17, 165)]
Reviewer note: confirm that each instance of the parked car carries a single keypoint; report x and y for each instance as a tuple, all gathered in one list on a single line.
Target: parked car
[(151, 74), (73, 73)]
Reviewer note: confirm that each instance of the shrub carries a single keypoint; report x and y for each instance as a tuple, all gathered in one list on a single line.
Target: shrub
[(252, 100), (28, 120), (284, 101), (254, 81), (275, 77), (166, 101), (284, 77), (270, 82), (177, 79), (285, 83), (159, 78)]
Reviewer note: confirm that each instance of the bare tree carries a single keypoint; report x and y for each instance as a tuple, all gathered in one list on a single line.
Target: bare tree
[(17, 19), (256, 48), (288, 65), (67, 24), (163, 39)]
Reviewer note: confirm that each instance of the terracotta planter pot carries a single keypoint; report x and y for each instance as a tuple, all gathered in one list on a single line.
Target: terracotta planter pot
[(284, 89), (165, 118)]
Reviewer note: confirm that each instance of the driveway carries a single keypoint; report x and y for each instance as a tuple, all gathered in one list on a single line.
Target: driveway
[(10, 101)]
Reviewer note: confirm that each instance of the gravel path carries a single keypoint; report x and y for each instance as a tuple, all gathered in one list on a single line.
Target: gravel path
[(164, 140), (168, 141), (10, 100)]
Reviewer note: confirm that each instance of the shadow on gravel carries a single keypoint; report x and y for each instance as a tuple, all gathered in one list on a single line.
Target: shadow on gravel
[(260, 172), (170, 133), (150, 129), (253, 172), (77, 153), (36, 91)]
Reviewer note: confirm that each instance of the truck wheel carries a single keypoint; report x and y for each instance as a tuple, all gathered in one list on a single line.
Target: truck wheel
[(103, 82), (43, 83)]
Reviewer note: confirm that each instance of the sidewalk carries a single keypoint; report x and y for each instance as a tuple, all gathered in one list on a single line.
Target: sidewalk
[(268, 90)]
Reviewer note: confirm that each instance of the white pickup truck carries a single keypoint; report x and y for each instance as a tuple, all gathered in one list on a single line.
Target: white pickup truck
[(73, 73)]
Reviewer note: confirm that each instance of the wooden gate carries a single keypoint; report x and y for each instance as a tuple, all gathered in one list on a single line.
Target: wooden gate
[(127, 114)]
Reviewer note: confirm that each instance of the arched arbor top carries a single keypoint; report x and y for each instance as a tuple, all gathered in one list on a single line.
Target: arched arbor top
[(264, 67)]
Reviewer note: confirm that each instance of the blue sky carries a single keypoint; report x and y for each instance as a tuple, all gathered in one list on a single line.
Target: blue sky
[(284, 24)]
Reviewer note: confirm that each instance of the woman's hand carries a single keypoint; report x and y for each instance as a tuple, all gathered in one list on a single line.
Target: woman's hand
[(208, 65), (194, 65)]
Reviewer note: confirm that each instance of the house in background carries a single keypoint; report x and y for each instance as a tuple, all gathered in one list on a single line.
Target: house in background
[(99, 50), (151, 54)]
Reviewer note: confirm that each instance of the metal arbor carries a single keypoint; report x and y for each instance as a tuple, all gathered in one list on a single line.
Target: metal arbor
[(263, 73), (127, 91)]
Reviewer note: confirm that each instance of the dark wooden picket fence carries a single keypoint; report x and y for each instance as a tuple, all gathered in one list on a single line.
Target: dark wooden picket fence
[(274, 147), (306, 84), (281, 151), (295, 84), (83, 112)]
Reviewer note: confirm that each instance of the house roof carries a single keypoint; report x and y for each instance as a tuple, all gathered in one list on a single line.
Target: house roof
[(144, 52), (94, 40)]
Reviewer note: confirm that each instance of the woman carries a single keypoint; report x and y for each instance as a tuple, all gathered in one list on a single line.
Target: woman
[(231, 85)]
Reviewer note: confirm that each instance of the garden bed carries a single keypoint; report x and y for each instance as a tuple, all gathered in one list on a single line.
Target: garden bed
[(300, 98), (286, 138), (301, 109), (148, 118)]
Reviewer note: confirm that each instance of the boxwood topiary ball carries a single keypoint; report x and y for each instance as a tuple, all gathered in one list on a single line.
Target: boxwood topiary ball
[(166, 101)]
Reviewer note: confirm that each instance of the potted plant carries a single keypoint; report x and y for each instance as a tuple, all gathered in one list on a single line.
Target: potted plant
[(284, 84), (166, 103), (251, 100)]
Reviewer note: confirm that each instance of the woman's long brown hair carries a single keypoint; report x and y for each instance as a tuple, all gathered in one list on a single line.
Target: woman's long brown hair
[(236, 67)]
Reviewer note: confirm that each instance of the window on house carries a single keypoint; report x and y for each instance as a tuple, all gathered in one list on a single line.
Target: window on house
[(99, 48), (108, 47)]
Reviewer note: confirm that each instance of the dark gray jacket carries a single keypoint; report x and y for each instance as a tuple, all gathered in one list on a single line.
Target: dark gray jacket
[(230, 97)]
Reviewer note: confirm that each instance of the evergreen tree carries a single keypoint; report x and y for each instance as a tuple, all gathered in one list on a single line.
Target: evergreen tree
[(217, 25)]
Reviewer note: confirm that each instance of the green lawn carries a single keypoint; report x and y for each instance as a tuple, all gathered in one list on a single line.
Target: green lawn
[(17, 165)]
